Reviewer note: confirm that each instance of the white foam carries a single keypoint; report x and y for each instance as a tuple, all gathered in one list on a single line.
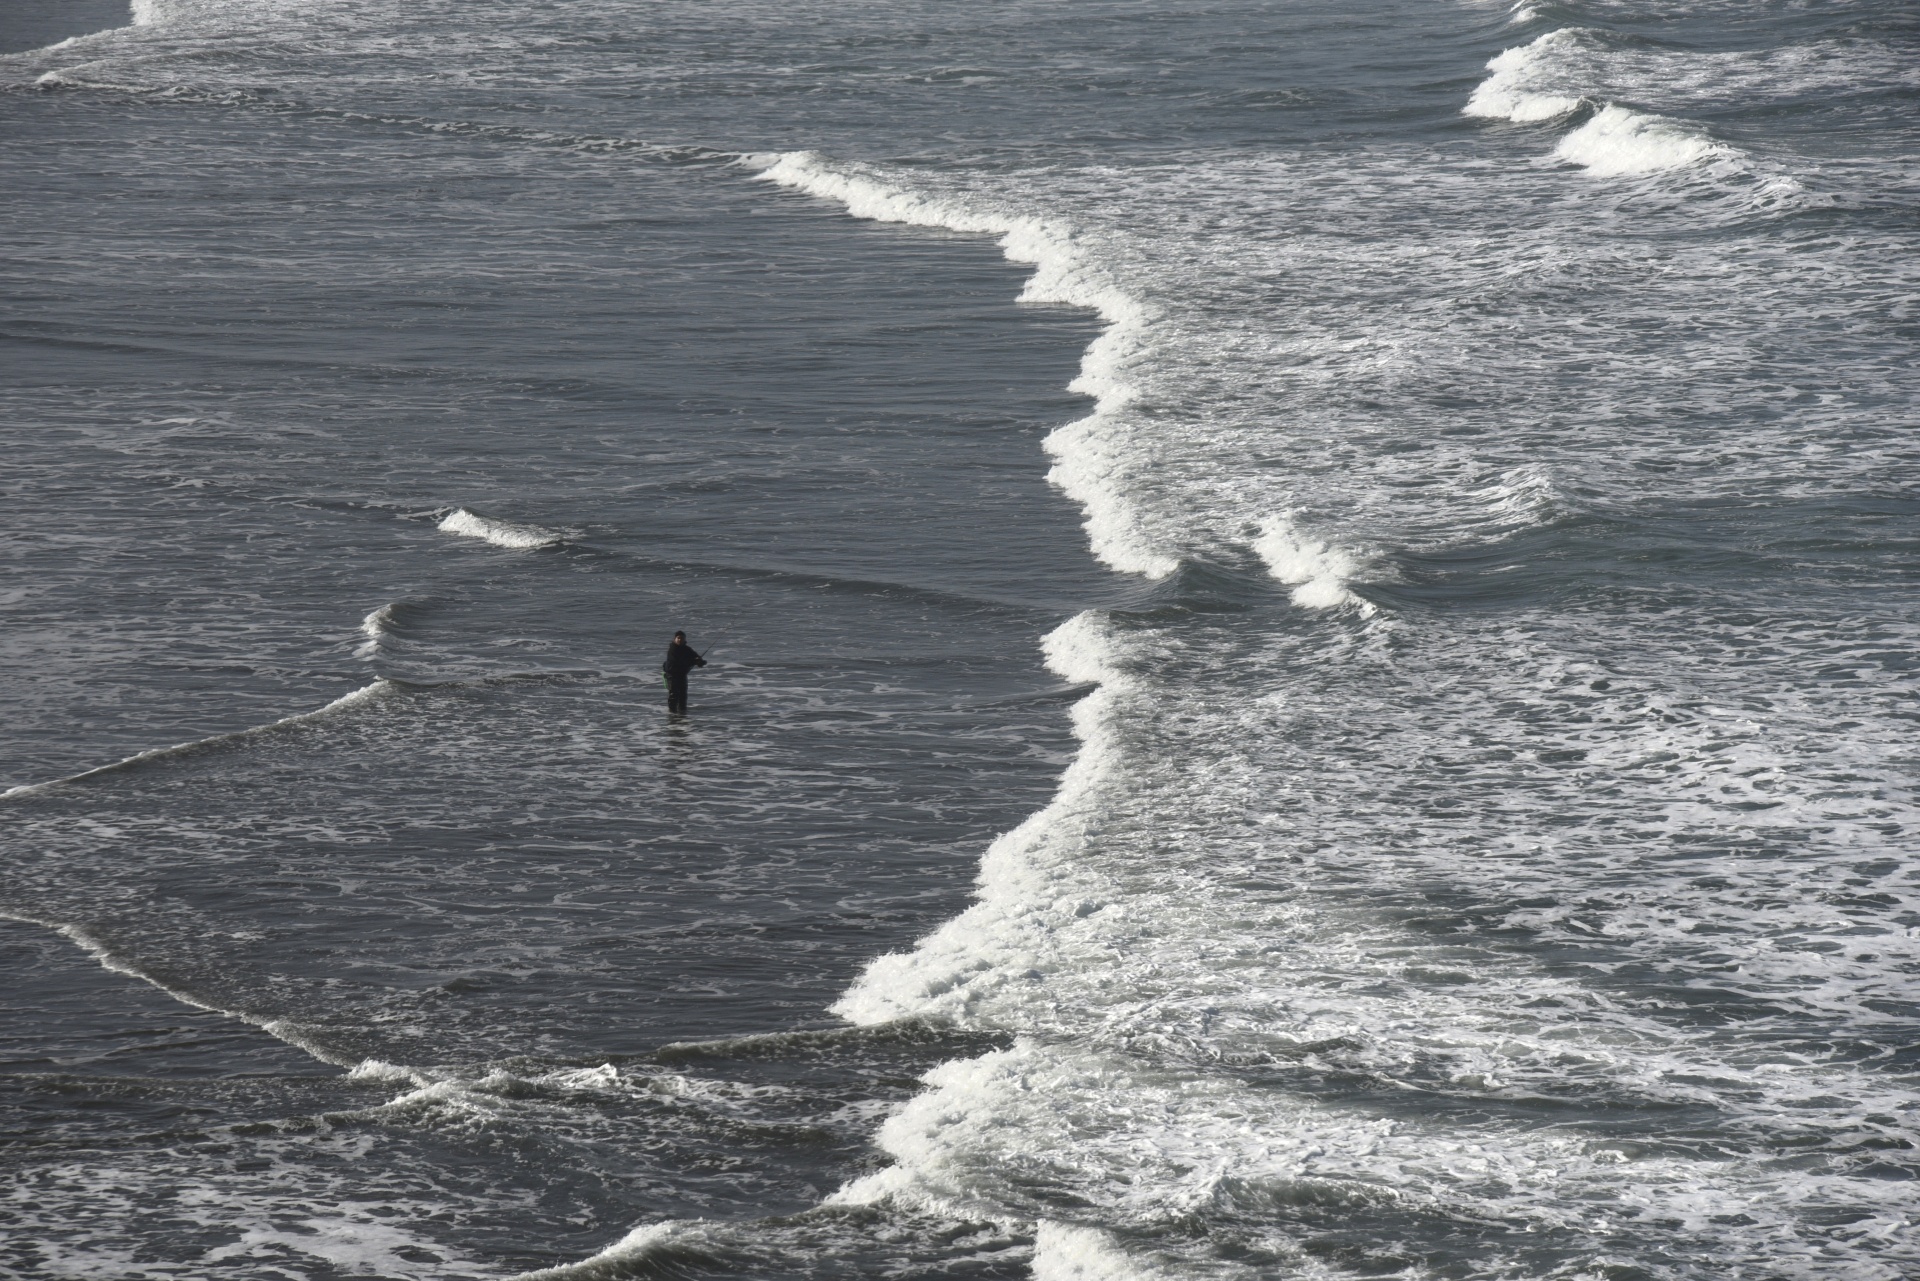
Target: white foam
[(1595, 66), (1062, 1252), (501, 533), (383, 1071), (606, 1077), (1082, 650), (365, 693), (1319, 570), (67, 80), (1189, 898), (1616, 142), (87, 942), (70, 42), (1089, 465)]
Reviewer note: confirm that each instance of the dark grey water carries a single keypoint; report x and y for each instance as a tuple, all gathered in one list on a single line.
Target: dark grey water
[(1425, 790), (35, 24)]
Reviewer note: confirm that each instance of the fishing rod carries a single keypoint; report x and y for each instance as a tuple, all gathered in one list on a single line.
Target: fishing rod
[(718, 637)]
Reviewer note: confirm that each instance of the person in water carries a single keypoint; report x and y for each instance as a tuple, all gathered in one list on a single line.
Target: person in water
[(680, 660)]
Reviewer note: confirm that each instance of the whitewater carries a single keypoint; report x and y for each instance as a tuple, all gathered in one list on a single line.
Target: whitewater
[(1313, 644)]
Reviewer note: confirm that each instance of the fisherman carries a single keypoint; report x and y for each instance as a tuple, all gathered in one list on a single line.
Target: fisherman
[(680, 660)]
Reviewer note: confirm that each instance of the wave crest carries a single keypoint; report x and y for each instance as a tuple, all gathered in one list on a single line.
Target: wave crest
[(1569, 70)]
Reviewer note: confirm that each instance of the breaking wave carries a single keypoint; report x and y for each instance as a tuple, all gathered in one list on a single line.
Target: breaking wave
[(1566, 71), (617, 1260), (1087, 465), (501, 533), (1318, 571), (1617, 141), (376, 628), (1027, 878), (1514, 91)]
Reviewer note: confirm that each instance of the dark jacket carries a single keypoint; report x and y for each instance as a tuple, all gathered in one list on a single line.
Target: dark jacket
[(680, 660)]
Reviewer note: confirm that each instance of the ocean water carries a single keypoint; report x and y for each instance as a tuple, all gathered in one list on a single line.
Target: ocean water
[(1312, 613)]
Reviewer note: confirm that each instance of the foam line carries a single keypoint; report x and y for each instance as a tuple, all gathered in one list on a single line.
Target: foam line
[(756, 1044), (61, 80), (1029, 884), (365, 693), (1087, 466), (1020, 879), (69, 42), (149, 13), (389, 1073), (88, 942)]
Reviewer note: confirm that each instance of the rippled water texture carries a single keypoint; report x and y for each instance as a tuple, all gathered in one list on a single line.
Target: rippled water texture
[(1312, 617)]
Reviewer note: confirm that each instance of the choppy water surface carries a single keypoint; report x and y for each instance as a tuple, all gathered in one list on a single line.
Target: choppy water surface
[(1312, 613)]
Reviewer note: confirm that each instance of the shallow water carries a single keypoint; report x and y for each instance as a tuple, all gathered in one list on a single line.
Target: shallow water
[(1437, 757)]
